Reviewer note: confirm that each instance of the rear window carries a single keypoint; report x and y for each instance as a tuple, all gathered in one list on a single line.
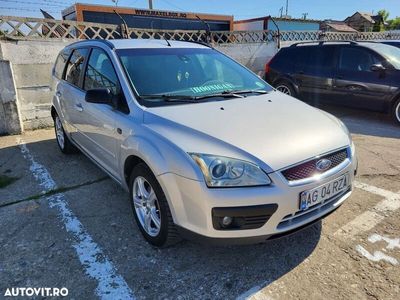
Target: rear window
[(61, 61), (75, 66)]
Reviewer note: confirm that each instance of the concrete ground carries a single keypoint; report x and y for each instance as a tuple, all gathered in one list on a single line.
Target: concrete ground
[(64, 223)]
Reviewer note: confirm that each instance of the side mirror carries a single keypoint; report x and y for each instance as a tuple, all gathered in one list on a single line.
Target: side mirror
[(377, 68), (102, 96)]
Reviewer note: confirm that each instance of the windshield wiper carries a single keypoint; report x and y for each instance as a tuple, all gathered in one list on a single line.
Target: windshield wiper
[(233, 93), (239, 92), (170, 98)]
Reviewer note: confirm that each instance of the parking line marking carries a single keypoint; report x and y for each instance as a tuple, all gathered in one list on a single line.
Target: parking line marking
[(372, 217), (110, 284), (255, 293)]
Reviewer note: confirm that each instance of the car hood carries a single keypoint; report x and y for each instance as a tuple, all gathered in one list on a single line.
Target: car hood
[(273, 130)]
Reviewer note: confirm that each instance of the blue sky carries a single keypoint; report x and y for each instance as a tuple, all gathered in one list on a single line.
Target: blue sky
[(316, 9)]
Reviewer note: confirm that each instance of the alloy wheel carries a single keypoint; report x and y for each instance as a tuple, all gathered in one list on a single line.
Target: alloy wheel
[(146, 206), (284, 89)]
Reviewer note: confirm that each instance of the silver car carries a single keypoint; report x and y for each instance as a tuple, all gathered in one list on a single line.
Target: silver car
[(205, 147)]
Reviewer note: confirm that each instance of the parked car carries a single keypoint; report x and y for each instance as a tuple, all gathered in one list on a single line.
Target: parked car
[(395, 43), (358, 74), (204, 146)]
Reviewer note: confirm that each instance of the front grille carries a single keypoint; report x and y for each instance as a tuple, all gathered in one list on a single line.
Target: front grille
[(309, 169)]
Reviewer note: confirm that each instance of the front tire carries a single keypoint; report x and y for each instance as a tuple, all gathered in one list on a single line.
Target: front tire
[(62, 139), (151, 209), (396, 112)]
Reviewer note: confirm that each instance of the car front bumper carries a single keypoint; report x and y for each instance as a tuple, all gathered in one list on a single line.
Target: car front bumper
[(194, 206)]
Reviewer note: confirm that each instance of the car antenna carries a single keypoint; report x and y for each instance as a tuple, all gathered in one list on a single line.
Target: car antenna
[(278, 35), (208, 29), (124, 26), (161, 35), (165, 38)]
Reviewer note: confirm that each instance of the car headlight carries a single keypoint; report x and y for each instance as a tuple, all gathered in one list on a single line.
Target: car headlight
[(220, 171)]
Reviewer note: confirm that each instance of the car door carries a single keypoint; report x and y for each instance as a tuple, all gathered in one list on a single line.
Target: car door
[(314, 72), (98, 123), (71, 94), (355, 83)]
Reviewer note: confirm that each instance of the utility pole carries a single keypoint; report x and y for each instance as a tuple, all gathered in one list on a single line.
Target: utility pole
[(150, 4), (287, 8)]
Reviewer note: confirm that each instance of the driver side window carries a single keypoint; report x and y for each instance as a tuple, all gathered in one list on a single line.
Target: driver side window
[(356, 59), (100, 73)]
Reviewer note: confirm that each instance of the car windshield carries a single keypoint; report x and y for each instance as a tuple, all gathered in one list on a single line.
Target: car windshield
[(391, 53), (165, 74)]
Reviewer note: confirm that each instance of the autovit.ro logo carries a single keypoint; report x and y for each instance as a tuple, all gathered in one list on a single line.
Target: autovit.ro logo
[(36, 292)]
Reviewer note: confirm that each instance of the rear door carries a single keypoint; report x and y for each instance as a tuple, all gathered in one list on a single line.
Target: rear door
[(314, 72), (355, 84), (71, 94)]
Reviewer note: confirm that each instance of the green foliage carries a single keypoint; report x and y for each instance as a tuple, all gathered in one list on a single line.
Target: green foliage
[(394, 23), (384, 14)]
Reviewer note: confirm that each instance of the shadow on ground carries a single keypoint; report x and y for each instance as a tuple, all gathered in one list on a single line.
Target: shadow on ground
[(365, 122)]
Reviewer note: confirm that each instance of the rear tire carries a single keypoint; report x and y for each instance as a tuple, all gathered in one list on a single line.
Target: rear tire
[(286, 88), (63, 141), (396, 112), (150, 208)]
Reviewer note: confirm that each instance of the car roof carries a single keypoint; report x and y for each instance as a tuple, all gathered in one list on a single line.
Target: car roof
[(140, 44)]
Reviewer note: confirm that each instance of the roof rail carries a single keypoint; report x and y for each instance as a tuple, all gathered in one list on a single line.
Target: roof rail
[(322, 42)]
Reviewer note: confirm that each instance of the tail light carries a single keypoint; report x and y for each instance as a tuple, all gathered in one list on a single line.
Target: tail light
[(267, 67)]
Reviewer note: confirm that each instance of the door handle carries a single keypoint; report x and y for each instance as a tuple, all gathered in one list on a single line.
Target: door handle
[(354, 88), (78, 107), (58, 94)]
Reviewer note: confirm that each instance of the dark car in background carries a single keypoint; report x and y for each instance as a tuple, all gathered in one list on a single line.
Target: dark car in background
[(355, 74), (395, 43)]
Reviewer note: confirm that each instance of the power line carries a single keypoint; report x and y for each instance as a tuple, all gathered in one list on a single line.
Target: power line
[(34, 3), (25, 9)]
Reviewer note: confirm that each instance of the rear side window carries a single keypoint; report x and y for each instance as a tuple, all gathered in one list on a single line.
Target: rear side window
[(61, 61), (315, 60), (284, 60), (75, 66), (356, 59)]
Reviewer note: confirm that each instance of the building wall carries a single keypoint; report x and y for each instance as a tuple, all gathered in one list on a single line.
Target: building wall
[(287, 25), (254, 25), (30, 64), (359, 23)]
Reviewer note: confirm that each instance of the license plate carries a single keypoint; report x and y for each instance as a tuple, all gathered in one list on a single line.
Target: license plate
[(320, 194)]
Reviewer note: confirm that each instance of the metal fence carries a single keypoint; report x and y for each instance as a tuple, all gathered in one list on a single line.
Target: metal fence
[(18, 28)]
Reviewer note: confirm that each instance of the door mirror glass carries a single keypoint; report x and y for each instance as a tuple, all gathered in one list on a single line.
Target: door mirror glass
[(101, 95), (377, 68)]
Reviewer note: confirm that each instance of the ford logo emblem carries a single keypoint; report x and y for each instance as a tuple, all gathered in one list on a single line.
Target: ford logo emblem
[(323, 164)]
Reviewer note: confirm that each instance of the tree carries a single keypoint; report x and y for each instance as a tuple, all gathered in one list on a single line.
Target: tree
[(380, 26), (394, 23), (384, 14)]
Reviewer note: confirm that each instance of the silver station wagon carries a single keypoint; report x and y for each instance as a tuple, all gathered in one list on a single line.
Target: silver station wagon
[(205, 147)]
